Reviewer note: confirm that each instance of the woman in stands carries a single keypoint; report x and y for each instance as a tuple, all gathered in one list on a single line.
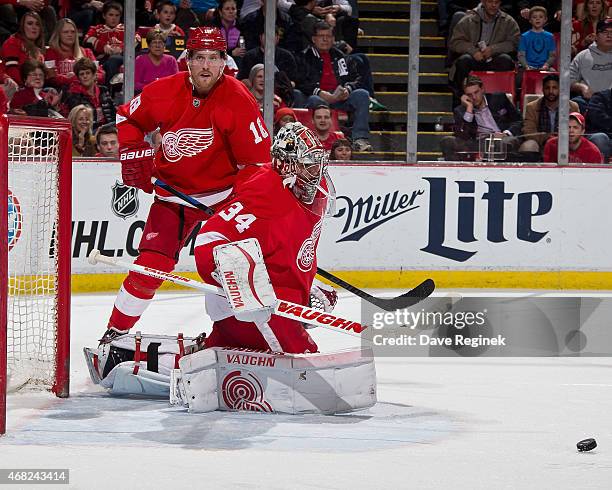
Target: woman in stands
[(83, 140), (225, 19), (28, 43), (584, 30), (64, 50), (579, 7), (256, 81), (34, 99), (154, 64)]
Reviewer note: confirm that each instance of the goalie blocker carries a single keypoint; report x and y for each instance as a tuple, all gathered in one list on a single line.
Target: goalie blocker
[(234, 379)]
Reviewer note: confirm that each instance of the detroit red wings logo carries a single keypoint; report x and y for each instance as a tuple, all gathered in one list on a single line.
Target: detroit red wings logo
[(306, 255), (244, 392), (186, 142)]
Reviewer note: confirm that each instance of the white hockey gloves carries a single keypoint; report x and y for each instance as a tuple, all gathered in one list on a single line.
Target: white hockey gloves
[(244, 278)]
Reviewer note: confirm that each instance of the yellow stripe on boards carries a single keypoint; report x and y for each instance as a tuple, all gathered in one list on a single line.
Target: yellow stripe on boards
[(572, 280)]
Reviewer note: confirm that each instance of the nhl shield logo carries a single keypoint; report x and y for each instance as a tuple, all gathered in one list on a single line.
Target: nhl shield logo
[(125, 200)]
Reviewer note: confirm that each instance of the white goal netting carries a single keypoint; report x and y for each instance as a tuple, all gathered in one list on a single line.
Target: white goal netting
[(33, 197)]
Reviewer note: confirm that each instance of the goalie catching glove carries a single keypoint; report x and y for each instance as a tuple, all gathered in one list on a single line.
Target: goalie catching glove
[(323, 297), (137, 166), (243, 275)]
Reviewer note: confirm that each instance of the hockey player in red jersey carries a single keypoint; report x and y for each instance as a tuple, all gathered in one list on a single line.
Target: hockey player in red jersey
[(211, 128), (282, 206)]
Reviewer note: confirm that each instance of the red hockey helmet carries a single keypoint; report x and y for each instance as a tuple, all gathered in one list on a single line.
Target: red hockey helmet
[(206, 38)]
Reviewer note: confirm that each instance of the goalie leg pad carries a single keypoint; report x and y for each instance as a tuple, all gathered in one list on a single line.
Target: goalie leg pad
[(112, 365), (195, 386), (245, 380), (244, 278)]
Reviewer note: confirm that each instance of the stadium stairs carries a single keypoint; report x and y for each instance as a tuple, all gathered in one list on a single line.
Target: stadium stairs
[(386, 29)]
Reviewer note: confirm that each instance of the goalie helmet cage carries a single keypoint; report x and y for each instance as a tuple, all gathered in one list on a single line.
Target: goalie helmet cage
[(35, 243)]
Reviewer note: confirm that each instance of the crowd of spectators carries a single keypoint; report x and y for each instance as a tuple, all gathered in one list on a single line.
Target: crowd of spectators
[(59, 55), (490, 36), (72, 66)]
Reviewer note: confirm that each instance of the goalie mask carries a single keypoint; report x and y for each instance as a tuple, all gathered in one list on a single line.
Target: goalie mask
[(301, 160)]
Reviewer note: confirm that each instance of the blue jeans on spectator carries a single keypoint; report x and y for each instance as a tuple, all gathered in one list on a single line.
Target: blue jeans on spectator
[(358, 103), (112, 66), (601, 141), (364, 70)]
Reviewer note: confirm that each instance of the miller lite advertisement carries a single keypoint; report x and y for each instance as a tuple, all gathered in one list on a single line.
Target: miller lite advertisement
[(467, 218), (395, 217)]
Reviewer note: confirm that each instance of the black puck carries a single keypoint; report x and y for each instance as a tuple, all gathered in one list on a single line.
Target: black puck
[(586, 444)]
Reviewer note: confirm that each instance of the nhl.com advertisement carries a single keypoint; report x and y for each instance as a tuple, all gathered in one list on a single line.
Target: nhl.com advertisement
[(421, 218)]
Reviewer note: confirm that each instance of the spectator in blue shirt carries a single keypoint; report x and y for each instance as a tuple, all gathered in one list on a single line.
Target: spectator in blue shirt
[(537, 48)]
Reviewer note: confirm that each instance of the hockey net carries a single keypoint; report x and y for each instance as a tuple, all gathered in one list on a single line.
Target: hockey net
[(35, 180)]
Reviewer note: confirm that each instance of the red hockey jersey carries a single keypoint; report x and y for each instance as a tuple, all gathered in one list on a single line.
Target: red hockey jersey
[(205, 140), (100, 35), (288, 233)]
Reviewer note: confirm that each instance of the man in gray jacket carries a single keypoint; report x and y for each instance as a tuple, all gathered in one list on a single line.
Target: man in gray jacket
[(591, 69), (485, 39)]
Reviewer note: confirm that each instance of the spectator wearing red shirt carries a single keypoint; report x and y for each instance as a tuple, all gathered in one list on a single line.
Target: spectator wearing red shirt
[(329, 77), (584, 30), (581, 150), (579, 7), (154, 64), (34, 99), (321, 117), (84, 90), (107, 39), (27, 43), (64, 50)]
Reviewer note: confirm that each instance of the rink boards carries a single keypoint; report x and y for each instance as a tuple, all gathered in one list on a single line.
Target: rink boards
[(466, 226)]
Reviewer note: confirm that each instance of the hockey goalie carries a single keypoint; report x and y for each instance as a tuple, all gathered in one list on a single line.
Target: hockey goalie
[(260, 247)]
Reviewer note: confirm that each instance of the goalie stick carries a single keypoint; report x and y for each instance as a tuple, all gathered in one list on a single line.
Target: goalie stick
[(406, 300), (283, 308)]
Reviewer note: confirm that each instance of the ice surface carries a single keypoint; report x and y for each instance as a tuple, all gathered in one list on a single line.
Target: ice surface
[(441, 423)]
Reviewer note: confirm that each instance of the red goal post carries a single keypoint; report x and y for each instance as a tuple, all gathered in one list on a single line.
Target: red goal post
[(35, 253)]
